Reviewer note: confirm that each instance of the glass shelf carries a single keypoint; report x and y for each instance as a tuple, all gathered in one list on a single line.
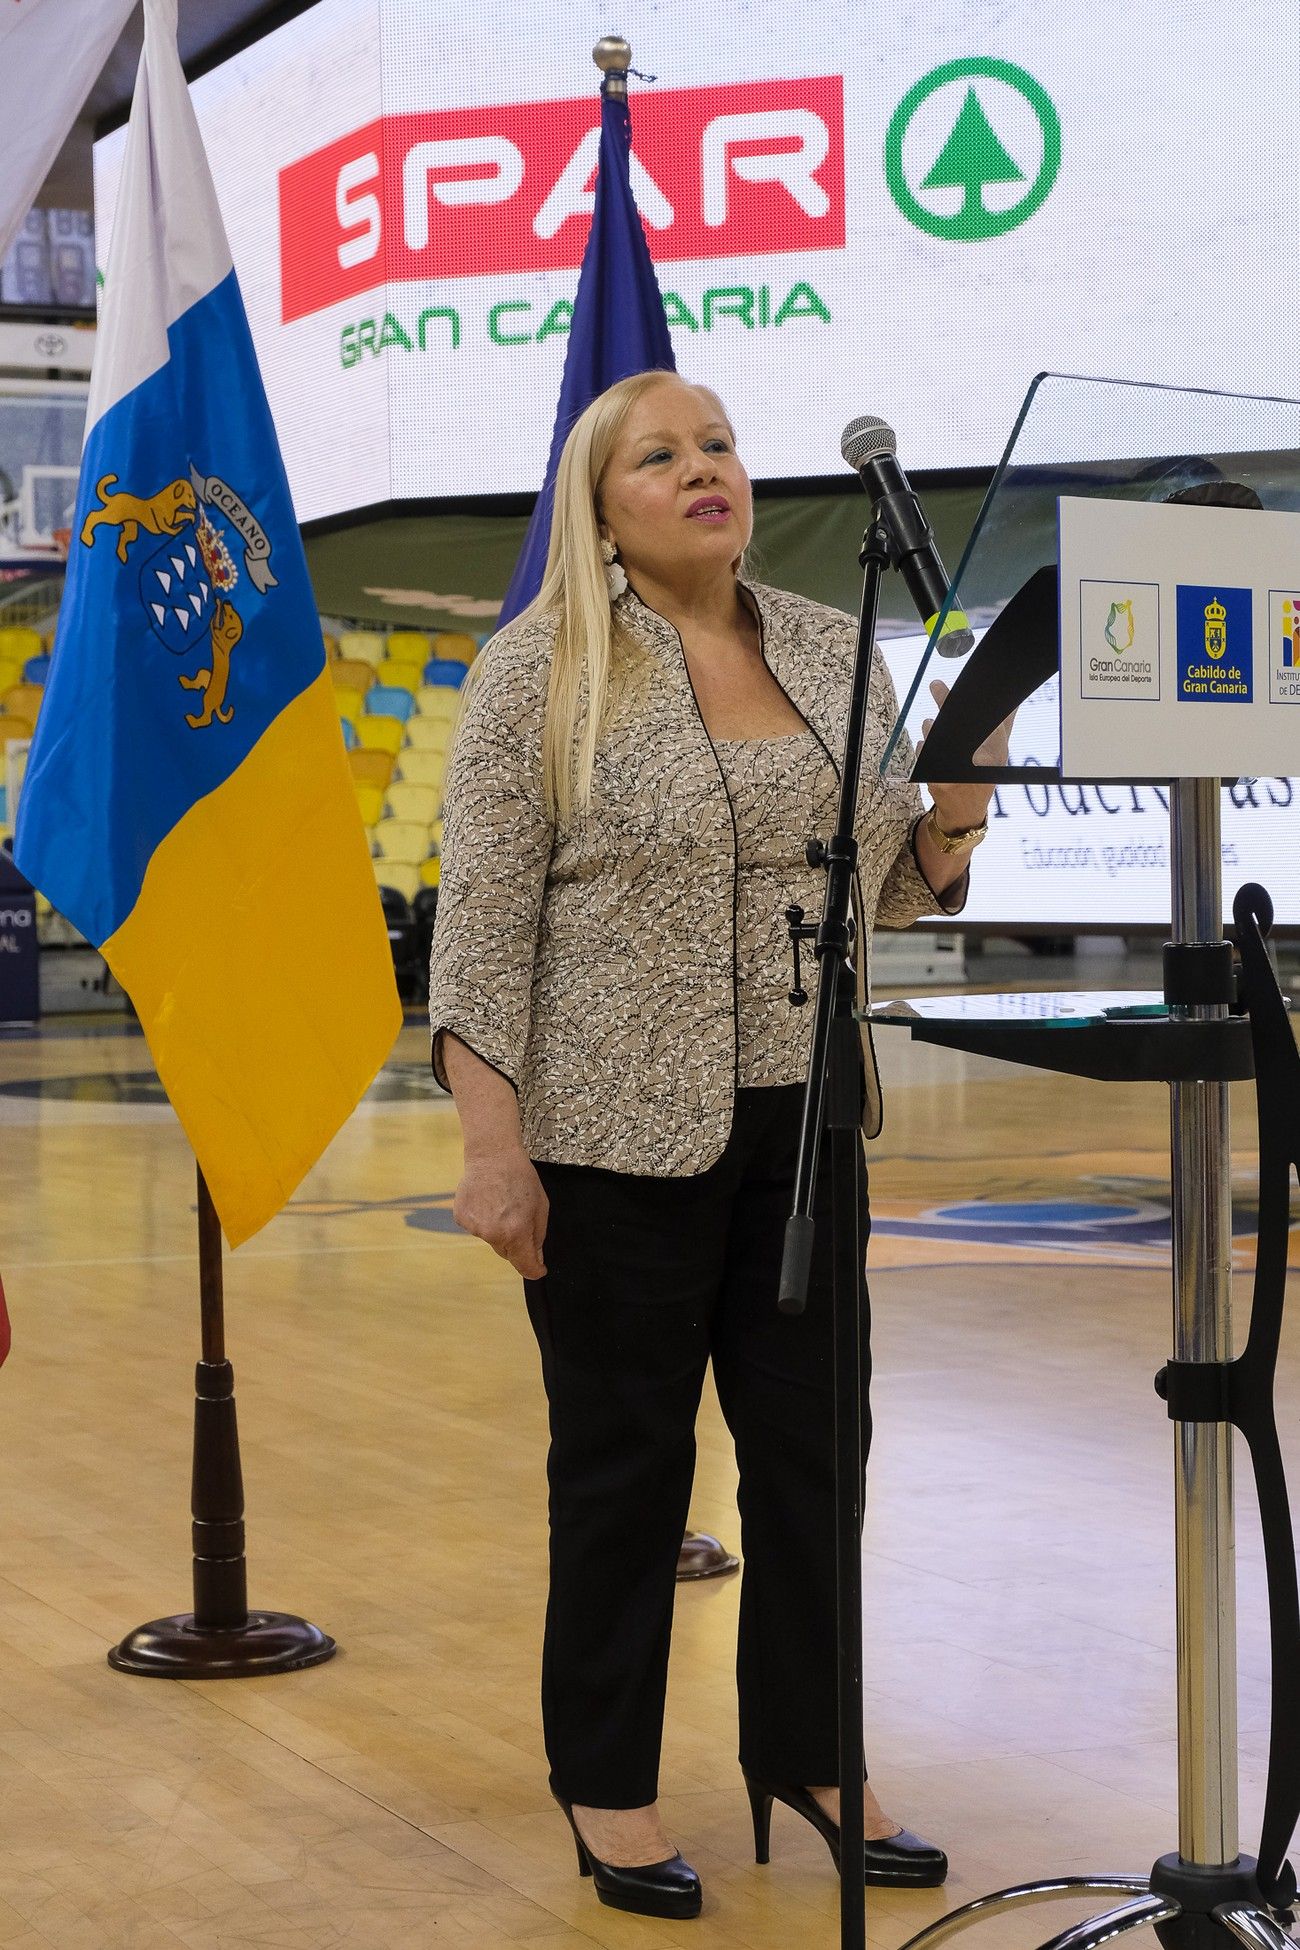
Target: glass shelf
[(1114, 1035), (1043, 1008)]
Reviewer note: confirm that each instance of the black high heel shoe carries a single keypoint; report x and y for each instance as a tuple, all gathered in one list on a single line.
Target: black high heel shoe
[(669, 1888), (902, 1862)]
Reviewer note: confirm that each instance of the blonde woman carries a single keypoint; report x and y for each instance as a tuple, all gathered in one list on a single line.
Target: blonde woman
[(641, 759)]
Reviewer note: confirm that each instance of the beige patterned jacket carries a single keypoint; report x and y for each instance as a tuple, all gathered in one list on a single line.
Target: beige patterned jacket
[(594, 967)]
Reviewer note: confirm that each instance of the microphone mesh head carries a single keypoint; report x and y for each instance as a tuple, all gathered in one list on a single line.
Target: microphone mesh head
[(864, 438)]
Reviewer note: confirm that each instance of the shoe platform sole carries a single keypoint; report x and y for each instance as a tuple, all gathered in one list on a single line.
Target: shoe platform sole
[(667, 1907)]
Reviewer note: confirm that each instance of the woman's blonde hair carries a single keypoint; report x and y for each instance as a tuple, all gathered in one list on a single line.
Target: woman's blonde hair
[(574, 590)]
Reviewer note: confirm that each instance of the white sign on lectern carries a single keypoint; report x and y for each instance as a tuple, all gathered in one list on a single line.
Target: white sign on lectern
[(1180, 641)]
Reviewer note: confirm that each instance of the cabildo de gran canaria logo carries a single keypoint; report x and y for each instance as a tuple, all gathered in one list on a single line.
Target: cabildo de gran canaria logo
[(185, 582), (1215, 652)]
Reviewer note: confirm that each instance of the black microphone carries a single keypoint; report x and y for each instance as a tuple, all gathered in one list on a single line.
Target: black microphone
[(870, 448)]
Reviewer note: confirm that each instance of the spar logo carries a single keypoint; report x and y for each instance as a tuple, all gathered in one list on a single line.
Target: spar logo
[(734, 171)]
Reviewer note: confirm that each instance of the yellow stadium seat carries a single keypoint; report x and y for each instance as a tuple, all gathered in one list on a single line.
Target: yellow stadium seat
[(368, 645), (428, 734), (351, 674), (418, 803), (419, 767), (435, 836), (331, 647), (370, 801), (438, 701), (401, 839), (371, 768), (13, 729), (11, 673), (409, 647), (405, 676), (23, 701), (380, 734), (349, 705), (17, 643), (431, 872), (399, 874), (455, 644)]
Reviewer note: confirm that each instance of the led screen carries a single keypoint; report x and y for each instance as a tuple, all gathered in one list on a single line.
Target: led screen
[(907, 210)]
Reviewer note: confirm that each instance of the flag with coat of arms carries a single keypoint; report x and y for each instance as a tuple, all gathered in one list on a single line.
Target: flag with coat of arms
[(188, 803)]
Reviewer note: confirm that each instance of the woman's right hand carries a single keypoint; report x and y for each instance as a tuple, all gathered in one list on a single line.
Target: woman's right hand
[(500, 1199)]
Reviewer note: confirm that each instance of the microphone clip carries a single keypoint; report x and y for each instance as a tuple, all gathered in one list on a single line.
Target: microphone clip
[(878, 544), (800, 930), (907, 531)]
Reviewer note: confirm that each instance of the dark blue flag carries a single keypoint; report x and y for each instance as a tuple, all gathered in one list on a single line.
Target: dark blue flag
[(619, 325)]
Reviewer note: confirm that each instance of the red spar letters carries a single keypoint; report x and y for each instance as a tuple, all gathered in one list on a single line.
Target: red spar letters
[(745, 169)]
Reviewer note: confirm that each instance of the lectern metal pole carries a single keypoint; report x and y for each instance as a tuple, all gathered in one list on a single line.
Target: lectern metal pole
[(1203, 1478)]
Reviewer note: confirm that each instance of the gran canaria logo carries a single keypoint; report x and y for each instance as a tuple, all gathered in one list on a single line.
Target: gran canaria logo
[(185, 582), (1216, 629), (1120, 627)]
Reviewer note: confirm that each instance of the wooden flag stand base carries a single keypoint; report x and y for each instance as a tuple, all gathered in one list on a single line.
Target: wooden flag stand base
[(220, 1638)]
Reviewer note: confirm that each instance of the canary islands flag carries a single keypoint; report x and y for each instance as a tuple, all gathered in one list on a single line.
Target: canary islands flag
[(188, 802)]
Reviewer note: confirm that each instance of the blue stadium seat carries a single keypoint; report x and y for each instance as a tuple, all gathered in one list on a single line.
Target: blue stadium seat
[(389, 701), (350, 739), (36, 669), (445, 670)]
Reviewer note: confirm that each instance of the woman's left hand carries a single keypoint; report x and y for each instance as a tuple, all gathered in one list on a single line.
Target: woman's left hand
[(959, 807)]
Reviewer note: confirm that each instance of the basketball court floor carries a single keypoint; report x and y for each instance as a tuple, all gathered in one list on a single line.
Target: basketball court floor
[(1019, 1631)]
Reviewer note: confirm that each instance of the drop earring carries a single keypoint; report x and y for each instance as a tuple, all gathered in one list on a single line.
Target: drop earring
[(615, 579)]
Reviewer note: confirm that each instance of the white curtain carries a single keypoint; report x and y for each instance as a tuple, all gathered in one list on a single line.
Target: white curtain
[(51, 54)]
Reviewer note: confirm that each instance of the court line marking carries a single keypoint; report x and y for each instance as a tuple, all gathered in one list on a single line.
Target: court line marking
[(244, 1255)]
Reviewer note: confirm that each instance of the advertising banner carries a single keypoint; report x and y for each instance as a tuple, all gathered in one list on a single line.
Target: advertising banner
[(909, 211)]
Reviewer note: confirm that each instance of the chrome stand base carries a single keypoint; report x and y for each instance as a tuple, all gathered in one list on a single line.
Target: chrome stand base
[(1259, 1929), (1023, 1896), (1116, 1922)]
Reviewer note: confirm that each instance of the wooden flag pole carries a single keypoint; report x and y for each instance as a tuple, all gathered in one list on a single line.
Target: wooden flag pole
[(220, 1638)]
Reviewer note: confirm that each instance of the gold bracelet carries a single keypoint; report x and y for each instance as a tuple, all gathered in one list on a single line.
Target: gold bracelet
[(970, 836)]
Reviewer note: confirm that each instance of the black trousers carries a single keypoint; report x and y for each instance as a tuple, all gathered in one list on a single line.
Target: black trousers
[(647, 1279)]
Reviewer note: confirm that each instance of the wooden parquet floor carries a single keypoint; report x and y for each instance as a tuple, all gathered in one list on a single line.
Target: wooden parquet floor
[(1018, 1555)]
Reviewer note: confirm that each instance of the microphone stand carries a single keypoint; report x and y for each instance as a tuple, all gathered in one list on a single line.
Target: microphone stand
[(831, 1096)]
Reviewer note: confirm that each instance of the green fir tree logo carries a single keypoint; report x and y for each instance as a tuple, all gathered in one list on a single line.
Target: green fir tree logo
[(974, 156)]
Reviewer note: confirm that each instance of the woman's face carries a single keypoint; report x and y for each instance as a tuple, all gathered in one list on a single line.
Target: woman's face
[(674, 498)]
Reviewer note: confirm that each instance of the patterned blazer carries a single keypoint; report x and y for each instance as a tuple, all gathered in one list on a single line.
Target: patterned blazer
[(594, 966)]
